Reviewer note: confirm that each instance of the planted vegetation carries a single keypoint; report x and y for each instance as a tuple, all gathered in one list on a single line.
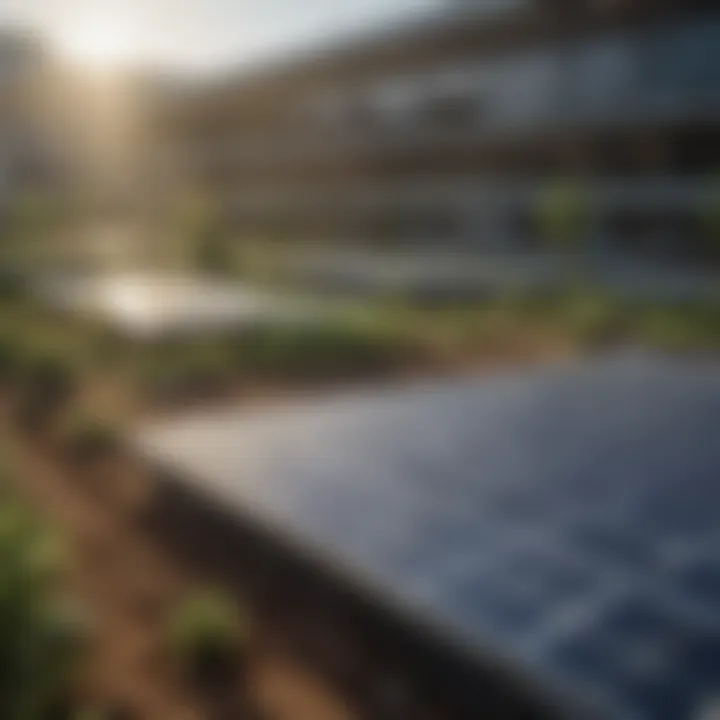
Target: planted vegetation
[(328, 349), (47, 365), (384, 338), (184, 370), (44, 386), (208, 637), (42, 358), (580, 319), (43, 637), (9, 358), (88, 440), (312, 351), (13, 284)]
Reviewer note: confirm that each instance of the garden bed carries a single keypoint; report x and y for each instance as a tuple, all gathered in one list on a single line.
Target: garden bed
[(132, 582), (133, 575)]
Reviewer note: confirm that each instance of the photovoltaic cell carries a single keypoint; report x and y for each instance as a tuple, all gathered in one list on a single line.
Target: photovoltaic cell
[(569, 518)]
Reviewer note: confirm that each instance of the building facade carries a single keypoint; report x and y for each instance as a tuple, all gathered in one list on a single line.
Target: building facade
[(43, 124), (477, 128), (24, 160)]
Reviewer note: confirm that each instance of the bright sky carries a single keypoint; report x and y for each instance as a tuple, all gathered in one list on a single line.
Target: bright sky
[(198, 34)]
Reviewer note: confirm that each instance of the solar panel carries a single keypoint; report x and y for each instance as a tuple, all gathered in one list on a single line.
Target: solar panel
[(568, 519)]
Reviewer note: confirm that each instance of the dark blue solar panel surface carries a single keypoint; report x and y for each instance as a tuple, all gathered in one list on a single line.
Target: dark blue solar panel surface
[(568, 520)]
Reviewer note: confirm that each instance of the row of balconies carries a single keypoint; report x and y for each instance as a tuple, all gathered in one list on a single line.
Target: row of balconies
[(656, 194), (665, 214), (301, 144), (664, 72)]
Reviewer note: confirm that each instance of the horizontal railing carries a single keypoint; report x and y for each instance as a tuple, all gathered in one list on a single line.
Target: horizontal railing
[(305, 143)]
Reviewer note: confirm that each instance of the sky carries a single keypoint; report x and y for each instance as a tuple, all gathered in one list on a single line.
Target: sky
[(199, 35)]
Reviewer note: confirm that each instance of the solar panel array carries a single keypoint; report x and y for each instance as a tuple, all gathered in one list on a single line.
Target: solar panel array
[(568, 520)]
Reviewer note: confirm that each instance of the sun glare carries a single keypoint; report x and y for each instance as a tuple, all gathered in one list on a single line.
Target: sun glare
[(102, 45)]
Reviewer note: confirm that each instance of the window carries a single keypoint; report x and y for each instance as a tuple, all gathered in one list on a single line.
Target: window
[(395, 99), (682, 59), (603, 74), (526, 88)]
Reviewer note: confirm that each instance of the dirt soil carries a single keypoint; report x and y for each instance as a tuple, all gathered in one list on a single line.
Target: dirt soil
[(129, 583), (130, 577)]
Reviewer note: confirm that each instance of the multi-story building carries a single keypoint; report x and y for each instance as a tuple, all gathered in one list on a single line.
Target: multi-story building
[(460, 128), (23, 152), (65, 134), (44, 121)]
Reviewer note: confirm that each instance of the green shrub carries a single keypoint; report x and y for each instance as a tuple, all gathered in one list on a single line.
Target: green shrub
[(88, 439), (708, 220), (208, 635), (112, 710), (13, 284), (213, 254), (185, 370), (199, 222), (9, 358), (50, 376), (688, 327), (320, 349), (42, 636), (564, 215), (45, 386), (592, 317)]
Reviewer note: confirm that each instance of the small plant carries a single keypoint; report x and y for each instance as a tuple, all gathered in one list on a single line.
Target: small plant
[(187, 372), (564, 217), (42, 635), (208, 635), (45, 386), (593, 318), (199, 221), (322, 349), (13, 284), (213, 253), (708, 221), (89, 440), (9, 358), (116, 710), (50, 376), (682, 328)]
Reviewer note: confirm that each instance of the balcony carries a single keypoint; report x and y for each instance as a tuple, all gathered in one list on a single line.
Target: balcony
[(662, 75)]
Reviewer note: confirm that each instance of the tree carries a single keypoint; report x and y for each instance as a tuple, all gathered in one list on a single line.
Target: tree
[(564, 216), (203, 230), (709, 220)]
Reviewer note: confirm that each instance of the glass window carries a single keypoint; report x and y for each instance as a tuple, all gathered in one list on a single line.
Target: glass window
[(526, 87), (683, 58), (602, 73), (395, 98)]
